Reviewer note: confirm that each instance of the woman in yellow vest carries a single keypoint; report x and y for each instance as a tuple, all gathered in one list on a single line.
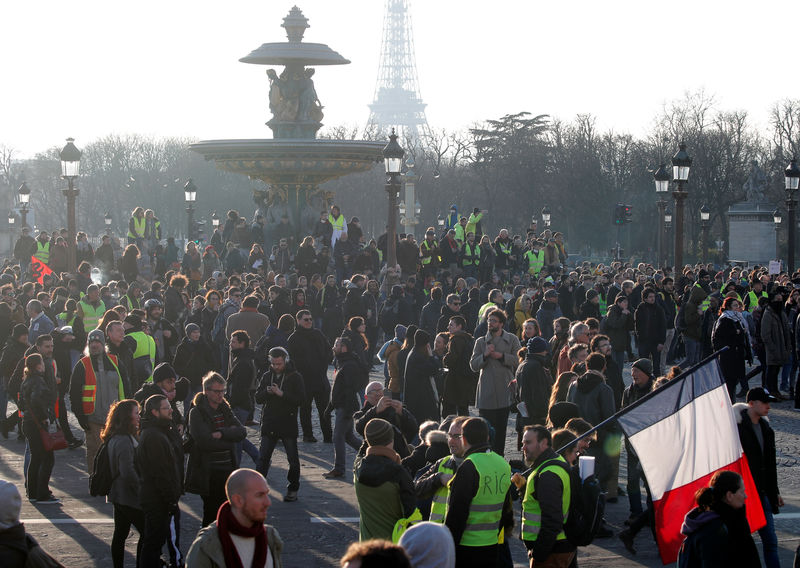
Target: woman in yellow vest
[(338, 224), (136, 227)]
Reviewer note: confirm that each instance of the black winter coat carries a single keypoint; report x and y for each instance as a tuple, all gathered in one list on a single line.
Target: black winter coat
[(241, 379), (534, 384), (420, 397), (311, 353), (763, 464), (730, 333), (618, 325), (347, 381), (460, 380), (181, 392), (279, 416), (193, 359), (205, 446), (159, 461), (650, 323)]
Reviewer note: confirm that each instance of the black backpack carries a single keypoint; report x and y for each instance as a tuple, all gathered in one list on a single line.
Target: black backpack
[(586, 507), (101, 479)]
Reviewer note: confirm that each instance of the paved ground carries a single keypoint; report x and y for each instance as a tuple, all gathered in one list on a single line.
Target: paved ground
[(317, 528)]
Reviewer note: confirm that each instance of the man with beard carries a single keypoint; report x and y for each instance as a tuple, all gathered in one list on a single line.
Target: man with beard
[(546, 502), (311, 354), (162, 331), (495, 358)]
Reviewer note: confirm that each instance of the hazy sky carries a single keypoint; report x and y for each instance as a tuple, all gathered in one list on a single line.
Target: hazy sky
[(90, 68)]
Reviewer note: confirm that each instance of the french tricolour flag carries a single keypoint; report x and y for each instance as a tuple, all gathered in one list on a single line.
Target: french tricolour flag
[(683, 433)]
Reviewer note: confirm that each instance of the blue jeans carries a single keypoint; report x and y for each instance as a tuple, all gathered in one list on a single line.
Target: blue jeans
[(787, 372), (246, 445), (693, 351), (768, 537), (343, 433)]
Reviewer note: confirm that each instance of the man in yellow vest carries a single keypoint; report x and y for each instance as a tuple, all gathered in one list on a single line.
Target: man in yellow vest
[(470, 256), (42, 248), (751, 298), (479, 503), (91, 308), (136, 227), (433, 483), (144, 351), (338, 224), (97, 382), (545, 505)]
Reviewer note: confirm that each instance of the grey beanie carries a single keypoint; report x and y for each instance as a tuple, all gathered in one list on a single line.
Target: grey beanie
[(10, 505), (429, 545)]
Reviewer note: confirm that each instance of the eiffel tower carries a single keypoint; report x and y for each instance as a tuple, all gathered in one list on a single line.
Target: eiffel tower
[(397, 103)]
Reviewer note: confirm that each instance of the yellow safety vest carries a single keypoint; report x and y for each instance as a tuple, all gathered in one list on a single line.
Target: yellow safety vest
[(138, 227), (754, 299), (486, 508), (426, 259), (535, 262), (337, 224), (439, 501), (42, 252), (532, 511), (475, 251), (89, 393), (145, 349), (92, 315)]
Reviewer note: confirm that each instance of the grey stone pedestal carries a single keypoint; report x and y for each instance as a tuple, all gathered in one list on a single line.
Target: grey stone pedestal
[(751, 232)]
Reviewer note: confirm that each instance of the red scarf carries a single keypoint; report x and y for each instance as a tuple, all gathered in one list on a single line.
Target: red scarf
[(227, 525)]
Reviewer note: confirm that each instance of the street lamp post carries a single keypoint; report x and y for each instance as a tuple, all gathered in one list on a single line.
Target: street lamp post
[(214, 220), (720, 250), (108, 220), (393, 161), (24, 199), (681, 163), (11, 219), (777, 217), (70, 170), (440, 222), (667, 227), (190, 195), (661, 178), (792, 179), (546, 216), (705, 217)]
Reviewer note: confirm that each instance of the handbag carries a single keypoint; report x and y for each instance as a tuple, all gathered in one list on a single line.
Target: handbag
[(51, 441)]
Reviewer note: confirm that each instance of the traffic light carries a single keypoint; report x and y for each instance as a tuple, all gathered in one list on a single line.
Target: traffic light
[(619, 214), (622, 214), (626, 209)]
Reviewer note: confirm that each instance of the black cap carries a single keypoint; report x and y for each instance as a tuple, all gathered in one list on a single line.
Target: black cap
[(760, 394)]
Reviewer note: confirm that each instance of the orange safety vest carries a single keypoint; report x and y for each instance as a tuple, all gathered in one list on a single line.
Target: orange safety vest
[(90, 383)]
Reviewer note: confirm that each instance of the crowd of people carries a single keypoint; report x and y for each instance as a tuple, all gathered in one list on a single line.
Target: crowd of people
[(166, 358)]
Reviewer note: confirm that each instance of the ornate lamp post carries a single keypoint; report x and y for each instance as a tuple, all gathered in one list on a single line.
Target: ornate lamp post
[(777, 218), (108, 220), (24, 199), (393, 162), (661, 178), (190, 194), (546, 216), (681, 163), (705, 217), (792, 179), (11, 219), (440, 222), (667, 227), (720, 249), (70, 170), (214, 220)]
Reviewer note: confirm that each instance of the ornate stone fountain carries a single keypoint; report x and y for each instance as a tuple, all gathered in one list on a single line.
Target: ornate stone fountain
[(294, 162)]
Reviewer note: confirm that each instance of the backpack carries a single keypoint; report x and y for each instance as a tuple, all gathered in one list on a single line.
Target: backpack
[(586, 507), (101, 479)]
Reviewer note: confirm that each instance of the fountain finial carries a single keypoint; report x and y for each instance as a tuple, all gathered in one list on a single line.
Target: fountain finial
[(296, 24)]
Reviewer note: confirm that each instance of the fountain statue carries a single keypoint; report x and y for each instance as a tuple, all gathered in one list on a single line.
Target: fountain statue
[(294, 162)]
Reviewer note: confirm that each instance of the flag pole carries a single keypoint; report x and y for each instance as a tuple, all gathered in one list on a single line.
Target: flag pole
[(645, 398)]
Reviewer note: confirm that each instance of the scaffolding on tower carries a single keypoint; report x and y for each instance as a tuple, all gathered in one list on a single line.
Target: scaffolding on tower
[(397, 102)]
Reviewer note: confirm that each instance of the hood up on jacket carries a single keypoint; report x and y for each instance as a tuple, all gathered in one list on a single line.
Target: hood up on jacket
[(697, 519), (589, 380)]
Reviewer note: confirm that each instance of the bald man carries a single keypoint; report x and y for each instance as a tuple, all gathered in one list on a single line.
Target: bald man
[(239, 533)]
